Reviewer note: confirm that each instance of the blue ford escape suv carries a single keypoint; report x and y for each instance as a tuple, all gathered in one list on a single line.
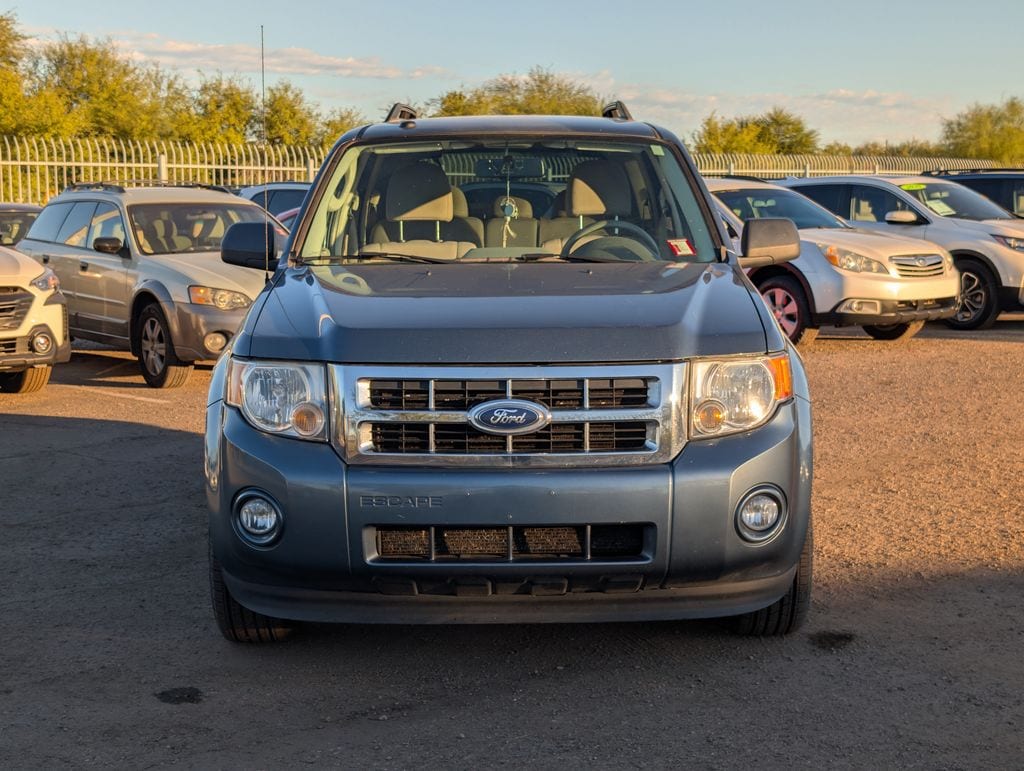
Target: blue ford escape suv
[(509, 369)]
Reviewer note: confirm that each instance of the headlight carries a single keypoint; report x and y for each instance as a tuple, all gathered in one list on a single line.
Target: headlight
[(734, 395), (47, 282), (1011, 242), (844, 259), (283, 398), (224, 299)]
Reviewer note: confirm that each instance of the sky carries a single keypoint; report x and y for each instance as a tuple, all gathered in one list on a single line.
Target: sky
[(864, 71)]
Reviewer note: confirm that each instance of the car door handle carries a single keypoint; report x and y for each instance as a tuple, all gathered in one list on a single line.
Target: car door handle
[(46, 259), (84, 267)]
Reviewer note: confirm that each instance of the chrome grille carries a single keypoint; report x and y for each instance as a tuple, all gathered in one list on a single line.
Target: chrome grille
[(14, 306), (600, 415), (919, 265)]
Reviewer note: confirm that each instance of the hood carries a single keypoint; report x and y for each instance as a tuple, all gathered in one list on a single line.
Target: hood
[(14, 265), (207, 269), (1009, 227), (507, 314), (872, 244)]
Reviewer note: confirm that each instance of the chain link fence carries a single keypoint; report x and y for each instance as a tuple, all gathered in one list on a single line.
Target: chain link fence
[(34, 169)]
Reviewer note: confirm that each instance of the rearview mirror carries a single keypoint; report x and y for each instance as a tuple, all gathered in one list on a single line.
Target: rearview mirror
[(902, 217), (250, 245), (108, 245), (768, 241), (512, 166)]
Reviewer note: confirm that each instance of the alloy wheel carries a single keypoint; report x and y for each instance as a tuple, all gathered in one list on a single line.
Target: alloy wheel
[(784, 308), (153, 343), (972, 297)]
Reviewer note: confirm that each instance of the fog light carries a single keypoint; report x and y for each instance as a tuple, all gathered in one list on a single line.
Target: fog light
[(215, 342), (42, 343), (860, 306), (259, 520), (760, 514)]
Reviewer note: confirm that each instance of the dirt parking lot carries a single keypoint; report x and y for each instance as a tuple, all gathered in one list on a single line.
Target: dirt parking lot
[(912, 656)]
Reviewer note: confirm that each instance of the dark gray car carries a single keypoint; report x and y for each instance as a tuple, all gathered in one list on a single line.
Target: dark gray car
[(576, 408)]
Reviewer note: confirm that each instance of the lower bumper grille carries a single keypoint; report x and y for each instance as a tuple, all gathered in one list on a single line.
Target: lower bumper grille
[(16, 346), (14, 306), (511, 544)]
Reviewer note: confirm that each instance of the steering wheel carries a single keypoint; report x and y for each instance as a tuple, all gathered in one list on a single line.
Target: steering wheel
[(635, 232)]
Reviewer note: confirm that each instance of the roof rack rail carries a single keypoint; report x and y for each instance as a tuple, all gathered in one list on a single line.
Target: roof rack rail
[(954, 172), (616, 109), (120, 187), (401, 112)]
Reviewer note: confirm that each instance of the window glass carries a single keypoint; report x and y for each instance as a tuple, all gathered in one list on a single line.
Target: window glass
[(75, 230), (14, 225), (871, 204), (830, 196), (948, 199), (1017, 196), (180, 228), (407, 199), (755, 203), (107, 223), (49, 221), (283, 200)]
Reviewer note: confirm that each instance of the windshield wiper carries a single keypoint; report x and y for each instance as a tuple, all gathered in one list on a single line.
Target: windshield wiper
[(395, 256), (538, 256)]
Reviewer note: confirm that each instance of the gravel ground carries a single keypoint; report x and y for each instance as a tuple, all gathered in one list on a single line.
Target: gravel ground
[(912, 656)]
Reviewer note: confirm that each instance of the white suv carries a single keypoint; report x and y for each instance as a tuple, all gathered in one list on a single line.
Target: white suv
[(888, 285), (33, 323), (141, 269), (986, 241)]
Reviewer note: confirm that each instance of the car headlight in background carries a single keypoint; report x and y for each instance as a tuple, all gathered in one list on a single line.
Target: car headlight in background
[(47, 282), (289, 399), (224, 299), (729, 396), (844, 259), (1010, 242)]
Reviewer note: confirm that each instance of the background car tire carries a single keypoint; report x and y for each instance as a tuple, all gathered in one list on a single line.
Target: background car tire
[(32, 379), (787, 302), (978, 294), (894, 332), (237, 623), (160, 366), (788, 613)]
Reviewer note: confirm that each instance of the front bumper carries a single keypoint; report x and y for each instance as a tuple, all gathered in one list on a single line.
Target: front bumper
[(16, 353), (894, 312), (191, 323), (323, 567)]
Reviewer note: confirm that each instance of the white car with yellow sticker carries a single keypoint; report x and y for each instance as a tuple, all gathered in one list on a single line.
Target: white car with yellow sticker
[(986, 241), (887, 285)]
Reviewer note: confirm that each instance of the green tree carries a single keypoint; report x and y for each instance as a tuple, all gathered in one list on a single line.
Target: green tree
[(291, 119), (224, 109), (539, 92), (987, 131), (336, 123), (775, 131)]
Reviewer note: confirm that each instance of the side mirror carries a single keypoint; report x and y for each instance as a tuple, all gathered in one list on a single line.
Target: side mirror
[(250, 245), (108, 245), (768, 241), (903, 217)]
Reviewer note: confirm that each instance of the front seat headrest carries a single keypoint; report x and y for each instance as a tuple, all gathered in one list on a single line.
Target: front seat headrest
[(418, 192), (599, 189), (460, 206)]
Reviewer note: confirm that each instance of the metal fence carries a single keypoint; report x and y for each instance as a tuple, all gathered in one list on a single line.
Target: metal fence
[(34, 169)]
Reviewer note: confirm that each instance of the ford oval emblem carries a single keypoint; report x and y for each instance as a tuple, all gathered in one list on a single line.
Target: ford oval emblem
[(508, 417)]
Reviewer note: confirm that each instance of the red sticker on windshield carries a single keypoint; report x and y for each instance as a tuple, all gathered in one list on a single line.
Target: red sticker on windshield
[(681, 247)]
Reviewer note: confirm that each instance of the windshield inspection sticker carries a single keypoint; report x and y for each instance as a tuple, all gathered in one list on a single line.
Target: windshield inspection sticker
[(681, 247), (941, 208)]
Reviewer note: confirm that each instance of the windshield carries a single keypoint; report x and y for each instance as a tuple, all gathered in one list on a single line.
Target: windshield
[(755, 203), (516, 199), (14, 225), (948, 199), (181, 228)]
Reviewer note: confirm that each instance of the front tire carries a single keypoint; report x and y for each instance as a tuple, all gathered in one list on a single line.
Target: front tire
[(160, 366), (788, 303), (894, 332), (979, 296), (237, 623), (25, 382), (788, 613)]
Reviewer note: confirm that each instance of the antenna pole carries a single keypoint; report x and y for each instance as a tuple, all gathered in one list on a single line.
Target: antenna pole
[(263, 140)]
